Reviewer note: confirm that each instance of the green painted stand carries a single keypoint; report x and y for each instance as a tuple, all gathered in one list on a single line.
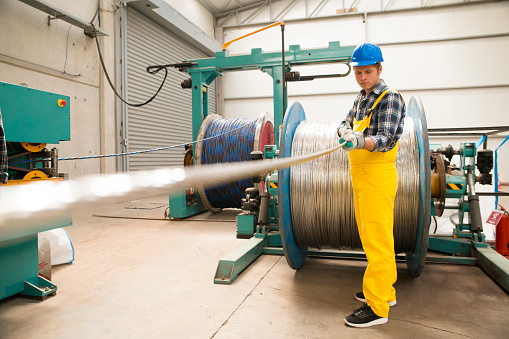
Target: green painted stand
[(465, 253), (205, 71), (33, 116), (19, 267), (239, 259), (496, 265), (179, 208)]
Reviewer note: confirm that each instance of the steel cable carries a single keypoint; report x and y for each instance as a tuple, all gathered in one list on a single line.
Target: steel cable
[(322, 207)]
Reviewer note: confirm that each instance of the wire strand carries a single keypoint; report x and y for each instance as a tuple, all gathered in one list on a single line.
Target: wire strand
[(322, 208), (131, 153)]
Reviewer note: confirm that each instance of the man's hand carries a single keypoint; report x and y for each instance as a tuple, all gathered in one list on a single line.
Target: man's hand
[(354, 140), (344, 129)]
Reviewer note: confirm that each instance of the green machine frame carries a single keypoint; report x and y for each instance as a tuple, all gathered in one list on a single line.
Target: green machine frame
[(36, 117), (204, 71), (466, 246)]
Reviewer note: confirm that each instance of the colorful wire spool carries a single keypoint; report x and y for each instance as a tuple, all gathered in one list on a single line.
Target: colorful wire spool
[(246, 135)]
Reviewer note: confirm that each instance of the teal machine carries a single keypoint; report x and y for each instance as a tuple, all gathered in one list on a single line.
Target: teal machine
[(31, 120), (266, 216), (204, 71)]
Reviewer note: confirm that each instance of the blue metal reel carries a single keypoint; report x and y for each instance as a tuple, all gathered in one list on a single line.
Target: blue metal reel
[(415, 260), (295, 255)]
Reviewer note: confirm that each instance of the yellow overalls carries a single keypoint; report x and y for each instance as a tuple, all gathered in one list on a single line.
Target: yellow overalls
[(375, 182)]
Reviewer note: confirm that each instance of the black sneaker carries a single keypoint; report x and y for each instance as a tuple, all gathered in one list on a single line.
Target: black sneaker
[(360, 296), (364, 317)]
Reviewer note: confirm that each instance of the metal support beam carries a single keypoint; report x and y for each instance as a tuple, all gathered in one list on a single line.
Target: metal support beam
[(285, 10), (372, 10), (352, 6), (227, 3), (225, 20), (388, 5), (230, 266), (243, 8), (56, 13), (494, 264), (318, 8), (209, 6), (254, 13)]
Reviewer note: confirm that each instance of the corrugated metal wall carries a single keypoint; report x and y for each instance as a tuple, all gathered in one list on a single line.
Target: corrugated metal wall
[(167, 120)]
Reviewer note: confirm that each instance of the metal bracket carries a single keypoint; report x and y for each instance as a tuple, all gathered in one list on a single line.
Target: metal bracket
[(56, 13)]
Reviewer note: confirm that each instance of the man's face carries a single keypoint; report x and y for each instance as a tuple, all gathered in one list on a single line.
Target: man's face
[(367, 76)]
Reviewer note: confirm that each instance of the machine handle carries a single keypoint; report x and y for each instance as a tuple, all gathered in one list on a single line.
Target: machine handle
[(279, 23), (343, 143)]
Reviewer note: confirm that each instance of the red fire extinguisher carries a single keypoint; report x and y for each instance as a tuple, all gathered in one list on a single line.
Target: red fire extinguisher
[(502, 234)]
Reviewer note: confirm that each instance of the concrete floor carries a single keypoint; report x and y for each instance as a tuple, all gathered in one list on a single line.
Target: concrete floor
[(147, 277)]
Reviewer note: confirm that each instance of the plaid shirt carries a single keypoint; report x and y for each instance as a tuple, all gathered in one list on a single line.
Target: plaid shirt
[(387, 120), (3, 153)]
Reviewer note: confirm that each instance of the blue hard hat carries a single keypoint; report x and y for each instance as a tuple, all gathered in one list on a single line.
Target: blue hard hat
[(366, 54)]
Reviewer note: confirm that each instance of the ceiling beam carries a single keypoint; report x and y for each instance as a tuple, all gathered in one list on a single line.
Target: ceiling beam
[(245, 8), (246, 20), (318, 8), (209, 6), (285, 10)]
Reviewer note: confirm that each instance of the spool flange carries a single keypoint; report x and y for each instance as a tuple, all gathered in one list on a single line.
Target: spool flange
[(295, 255), (415, 260)]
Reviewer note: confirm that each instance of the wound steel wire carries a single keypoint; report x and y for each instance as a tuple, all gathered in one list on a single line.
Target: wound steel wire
[(322, 208), (230, 147)]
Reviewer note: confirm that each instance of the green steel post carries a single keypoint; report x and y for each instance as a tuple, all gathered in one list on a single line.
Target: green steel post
[(19, 265), (493, 263), (197, 102), (278, 83), (449, 245), (230, 266), (200, 97)]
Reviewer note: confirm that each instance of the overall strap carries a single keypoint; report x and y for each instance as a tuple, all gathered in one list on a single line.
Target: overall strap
[(382, 95)]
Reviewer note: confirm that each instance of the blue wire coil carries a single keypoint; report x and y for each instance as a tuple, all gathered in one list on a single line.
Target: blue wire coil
[(230, 147)]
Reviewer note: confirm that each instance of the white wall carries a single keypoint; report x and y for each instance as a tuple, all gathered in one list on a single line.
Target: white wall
[(196, 13), (435, 54), (33, 52)]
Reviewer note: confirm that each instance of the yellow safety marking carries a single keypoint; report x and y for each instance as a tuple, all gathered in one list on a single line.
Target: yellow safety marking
[(32, 147), (35, 175), (455, 187), (273, 185), (23, 182)]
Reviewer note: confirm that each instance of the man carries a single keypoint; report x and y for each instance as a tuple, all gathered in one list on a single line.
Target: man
[(372, 129)]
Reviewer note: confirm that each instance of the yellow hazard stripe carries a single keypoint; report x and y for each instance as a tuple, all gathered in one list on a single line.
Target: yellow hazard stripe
[(273, 185), (455, 187)]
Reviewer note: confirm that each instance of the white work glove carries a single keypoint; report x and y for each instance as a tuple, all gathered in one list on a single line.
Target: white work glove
[(353, 140), (344, 129)]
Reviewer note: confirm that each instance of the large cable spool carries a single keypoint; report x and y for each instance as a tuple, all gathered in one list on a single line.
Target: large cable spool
[(316, 198), (236, 139)]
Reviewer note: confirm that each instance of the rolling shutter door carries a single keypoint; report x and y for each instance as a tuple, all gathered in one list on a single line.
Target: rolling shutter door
[(167, 120)]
